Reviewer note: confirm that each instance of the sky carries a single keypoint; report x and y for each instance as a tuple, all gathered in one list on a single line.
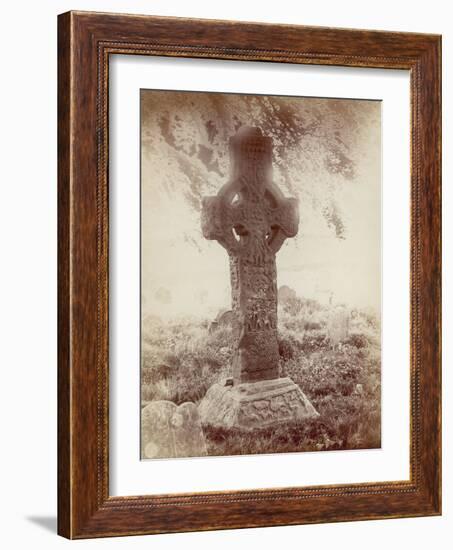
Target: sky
[(327, 153)]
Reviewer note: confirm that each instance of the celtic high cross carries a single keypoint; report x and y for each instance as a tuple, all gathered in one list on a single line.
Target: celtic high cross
[(251, 219)]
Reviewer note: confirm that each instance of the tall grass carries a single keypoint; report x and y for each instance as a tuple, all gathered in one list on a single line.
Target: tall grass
[(181, 360)]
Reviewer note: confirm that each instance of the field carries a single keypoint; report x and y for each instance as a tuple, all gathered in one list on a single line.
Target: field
[(182, 359)]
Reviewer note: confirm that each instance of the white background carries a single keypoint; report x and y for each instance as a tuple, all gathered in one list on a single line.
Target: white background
[(28, 275), (129, 476)]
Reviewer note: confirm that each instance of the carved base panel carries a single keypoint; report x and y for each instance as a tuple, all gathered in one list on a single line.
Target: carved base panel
[(255, 404)]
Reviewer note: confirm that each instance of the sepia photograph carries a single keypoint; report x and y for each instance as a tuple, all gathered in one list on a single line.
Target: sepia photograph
[(260, 274)]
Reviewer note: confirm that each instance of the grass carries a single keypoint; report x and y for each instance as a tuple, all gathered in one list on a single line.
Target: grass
[(181, 360)]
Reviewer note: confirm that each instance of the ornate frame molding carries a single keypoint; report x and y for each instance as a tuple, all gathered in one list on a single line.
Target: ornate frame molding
[(86, 40)]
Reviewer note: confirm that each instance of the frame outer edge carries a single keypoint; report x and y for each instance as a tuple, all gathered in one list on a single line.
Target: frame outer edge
[(426, 229), (431, 213), (81, 400), (438, 236), (64, 527)]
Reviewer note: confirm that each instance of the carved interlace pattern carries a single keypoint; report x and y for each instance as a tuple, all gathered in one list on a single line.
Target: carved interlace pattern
[(251, 219)]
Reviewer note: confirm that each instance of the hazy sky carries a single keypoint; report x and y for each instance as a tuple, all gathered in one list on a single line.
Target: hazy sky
[(334, 162)]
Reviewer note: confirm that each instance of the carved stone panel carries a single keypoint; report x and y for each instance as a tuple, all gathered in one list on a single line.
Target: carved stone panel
[(255, 405), (251, 218)]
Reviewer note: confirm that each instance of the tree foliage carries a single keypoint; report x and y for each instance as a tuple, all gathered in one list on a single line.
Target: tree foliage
[(185, 137)]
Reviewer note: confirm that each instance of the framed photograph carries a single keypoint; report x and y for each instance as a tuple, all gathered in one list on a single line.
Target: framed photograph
[(249, 275)]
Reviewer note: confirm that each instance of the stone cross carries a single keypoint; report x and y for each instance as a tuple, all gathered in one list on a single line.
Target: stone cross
[(251, 219)]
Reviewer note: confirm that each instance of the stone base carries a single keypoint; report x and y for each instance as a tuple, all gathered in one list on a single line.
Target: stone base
[(255, 404)]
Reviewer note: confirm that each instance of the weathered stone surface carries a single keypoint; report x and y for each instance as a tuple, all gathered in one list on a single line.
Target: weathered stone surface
[(338, 326), (223, 319), (251, 219), (169, 431), (255, 404)]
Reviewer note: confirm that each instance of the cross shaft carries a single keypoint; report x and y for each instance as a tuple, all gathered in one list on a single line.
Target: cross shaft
[(251, 219)]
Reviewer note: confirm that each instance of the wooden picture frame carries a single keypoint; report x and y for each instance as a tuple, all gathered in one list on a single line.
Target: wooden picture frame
[(85, 42)]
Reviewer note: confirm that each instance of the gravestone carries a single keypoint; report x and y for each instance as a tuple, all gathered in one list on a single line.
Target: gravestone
[(338, 326), (251, 219), (223, 319), (286, 294), (169, 431)]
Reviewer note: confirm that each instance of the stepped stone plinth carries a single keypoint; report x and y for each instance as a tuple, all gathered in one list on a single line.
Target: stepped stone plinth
[(255, 404)]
